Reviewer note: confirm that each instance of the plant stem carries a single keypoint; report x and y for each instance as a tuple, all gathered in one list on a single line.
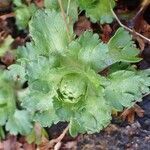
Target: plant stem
[(65, 20), (57, 140), (4, 17), (127, 28), (68, 7)]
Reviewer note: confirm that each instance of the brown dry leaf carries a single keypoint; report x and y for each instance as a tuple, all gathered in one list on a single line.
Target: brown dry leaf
[(12, 144), (44, 143), (4, 30), (1, 146), (27, 146), (143, 28), (38, 130), (8, 58), (129, 113), (39, 3), (82, 25), (4, 4), (141, 43), (138, 110), (106, 35)]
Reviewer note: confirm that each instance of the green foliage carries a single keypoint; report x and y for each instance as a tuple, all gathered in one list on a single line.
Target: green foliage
[(63, 84), (45, 40), (19, 122), (90, 50), (23, 13), (122, 47), (2, 134), (98, 10), (16, 121), (126, 87), (7, 99)]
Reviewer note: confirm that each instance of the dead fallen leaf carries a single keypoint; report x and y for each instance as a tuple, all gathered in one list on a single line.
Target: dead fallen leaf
[(130, 113), (8, 58), (141, 42), (4, 4), (143, 28), (27, 146), (10, 143), (106, 35), (82, 25), (39, 3), (1, 146)]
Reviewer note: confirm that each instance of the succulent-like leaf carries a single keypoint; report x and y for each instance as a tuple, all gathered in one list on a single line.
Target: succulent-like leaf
[(122, 48)]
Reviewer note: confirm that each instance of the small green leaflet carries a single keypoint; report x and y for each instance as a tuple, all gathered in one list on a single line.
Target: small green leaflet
[(90, 50), (15, 121), (126, 87), (53, 37), (23, 13), (19, 122), (17, 73), (7, 99), (122, 48), (98, 10)]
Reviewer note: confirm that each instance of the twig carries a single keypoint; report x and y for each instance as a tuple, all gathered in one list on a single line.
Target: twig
[(127, 28), (64, 17), (57, 140), (4, 17)]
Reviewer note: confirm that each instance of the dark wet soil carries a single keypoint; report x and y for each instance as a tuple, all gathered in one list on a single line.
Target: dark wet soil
[(131, 137)]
